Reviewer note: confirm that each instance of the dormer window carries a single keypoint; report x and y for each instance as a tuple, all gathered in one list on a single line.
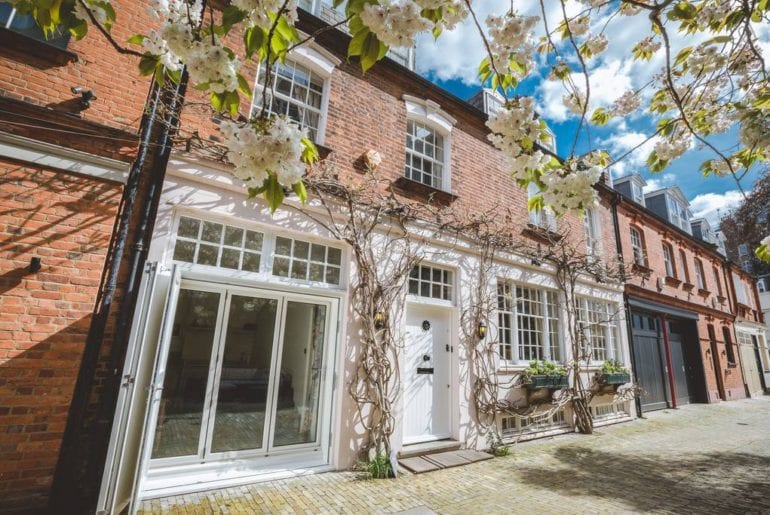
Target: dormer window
[(637, 193)]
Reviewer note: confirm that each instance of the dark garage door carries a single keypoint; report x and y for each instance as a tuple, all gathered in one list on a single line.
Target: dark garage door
[(650, 361)]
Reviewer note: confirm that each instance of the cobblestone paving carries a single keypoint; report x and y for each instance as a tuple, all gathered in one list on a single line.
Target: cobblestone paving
[(697, 459)]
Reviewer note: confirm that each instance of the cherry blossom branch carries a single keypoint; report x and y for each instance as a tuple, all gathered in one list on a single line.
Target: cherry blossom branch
[(118, 48)]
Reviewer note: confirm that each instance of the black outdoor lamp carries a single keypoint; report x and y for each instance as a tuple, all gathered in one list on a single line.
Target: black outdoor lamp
[(379, 320), (481, 330)]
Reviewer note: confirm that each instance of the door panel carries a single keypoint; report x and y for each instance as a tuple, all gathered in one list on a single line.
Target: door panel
[(680, 369), (427, 374), (183, 400), (244, 380), (301, 370)]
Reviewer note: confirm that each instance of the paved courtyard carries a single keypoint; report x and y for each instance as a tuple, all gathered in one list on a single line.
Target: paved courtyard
[(697, 459)]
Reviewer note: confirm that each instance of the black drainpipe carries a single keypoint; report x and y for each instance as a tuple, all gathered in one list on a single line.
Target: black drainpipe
[(70, 487), (616, 199)]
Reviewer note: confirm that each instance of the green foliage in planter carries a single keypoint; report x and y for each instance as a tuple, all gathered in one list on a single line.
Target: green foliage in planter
[(613, 366), (543, 368)]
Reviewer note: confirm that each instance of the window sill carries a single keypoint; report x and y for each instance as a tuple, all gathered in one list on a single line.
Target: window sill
[(732, 364), (46, 54), (418, 189), (672, 281), (688, 286), (703, 292), (540, 233), (721, 299), (642, 269)]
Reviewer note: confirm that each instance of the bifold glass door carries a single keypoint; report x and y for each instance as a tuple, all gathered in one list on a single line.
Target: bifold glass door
[(243, 375)]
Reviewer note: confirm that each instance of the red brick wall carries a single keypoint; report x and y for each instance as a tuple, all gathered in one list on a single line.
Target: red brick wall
[(711, 307), (66, 220)]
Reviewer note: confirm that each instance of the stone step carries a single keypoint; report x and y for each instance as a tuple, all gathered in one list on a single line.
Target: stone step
[(423, 448)]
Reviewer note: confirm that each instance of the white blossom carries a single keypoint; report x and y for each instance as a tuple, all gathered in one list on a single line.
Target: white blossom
[(673, 147), (395, 24), (627, 103), (579, 26), (510, 39), (575, 102), (597, 44), (256, 154), (510, 126), (257, 11), (96, 7), (570, 188), (648, 44), (627, 9)]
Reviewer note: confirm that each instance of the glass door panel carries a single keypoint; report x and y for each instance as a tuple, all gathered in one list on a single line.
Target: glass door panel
[(244, 382), (178, 428), (301, 369)]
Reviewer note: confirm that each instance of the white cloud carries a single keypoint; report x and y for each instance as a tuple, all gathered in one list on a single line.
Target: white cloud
[(712, 206), (623, 141)]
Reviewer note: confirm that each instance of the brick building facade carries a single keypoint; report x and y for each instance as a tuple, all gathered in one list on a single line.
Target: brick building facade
[(215, 257)]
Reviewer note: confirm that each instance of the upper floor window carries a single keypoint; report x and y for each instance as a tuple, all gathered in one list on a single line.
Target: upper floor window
[(528, 323), (683, 263), (743, 249), (425, 155), (544, 218), (717, 281), (730, 351), (637, 193), (668, 260), (637, 246), (592, 232), (298, 88), (428, 143), (740, 290), (700, 277), (598, 323), (11, 19), (761, 285), (431, 282)]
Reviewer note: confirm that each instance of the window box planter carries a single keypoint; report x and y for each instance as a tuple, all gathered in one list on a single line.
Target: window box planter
[(550, 382), (616, 378)]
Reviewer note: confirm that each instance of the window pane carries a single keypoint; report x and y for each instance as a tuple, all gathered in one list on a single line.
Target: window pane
[(233, 236), (281, 267), (333, 275), (301, 249), (250, 262), (184, 251), (253, 240), (239, 421), (212, 232), (230, 258), (188, 227), (316, 272), (335, 256), (207, 255), (299, 270), (283, 246)]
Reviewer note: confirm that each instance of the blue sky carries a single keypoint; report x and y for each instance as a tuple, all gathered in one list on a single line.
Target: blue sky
[(452, 62)]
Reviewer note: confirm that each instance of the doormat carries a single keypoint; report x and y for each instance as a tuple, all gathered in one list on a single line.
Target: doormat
[(442, 460)]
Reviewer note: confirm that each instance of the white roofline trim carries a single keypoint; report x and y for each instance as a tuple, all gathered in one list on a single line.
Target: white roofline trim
[(62, 158)]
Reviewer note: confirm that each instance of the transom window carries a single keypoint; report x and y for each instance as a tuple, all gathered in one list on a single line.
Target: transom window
[(431, 282), (528, 323), (598, 321), (668, 260), (637, 245), (216, 244), (425, 155), (700, 277), (306, 261), (295, 91)]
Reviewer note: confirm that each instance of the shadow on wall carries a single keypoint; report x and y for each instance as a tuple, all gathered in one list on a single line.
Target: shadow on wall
[(66, 220), (722, 481)]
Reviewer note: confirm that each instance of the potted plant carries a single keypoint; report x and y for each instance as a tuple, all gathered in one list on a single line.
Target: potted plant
[(545, 374), (613, 372)]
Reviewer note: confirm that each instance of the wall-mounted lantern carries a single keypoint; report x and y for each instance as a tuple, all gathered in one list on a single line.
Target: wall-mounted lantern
[(481, 330)]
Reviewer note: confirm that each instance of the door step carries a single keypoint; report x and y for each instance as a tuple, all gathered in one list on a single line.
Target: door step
[(442, 460), (423, 448)]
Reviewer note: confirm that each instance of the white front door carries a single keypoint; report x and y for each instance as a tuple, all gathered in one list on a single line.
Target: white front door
[(427, 374)]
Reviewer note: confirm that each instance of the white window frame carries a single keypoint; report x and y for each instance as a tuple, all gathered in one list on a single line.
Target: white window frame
[(420, 281), (220, 245), (740, 290), (435, 159), (700, 279), (668, 260), (637, 246), (430, 115), (593, 242), (761, 285), (544, 218), (637, 193), (319, 62), (309, 261), (607, 328), (507, 289)]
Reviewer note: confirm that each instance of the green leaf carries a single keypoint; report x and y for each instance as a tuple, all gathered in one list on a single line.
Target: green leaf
[(243, 85), (309, 151), (600, 116), (273, 193), (299, 189), (535, 203), (373, 50), (147, 64), (231, 16), (79, 29), (763, 253), (356, 45), (254, 41), (137, 39), (217, 101)]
